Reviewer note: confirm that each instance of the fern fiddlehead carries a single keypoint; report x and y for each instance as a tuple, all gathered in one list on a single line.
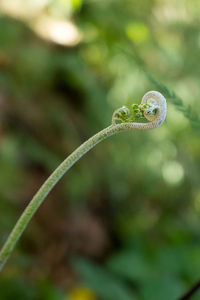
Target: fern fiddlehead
[(153, 108)]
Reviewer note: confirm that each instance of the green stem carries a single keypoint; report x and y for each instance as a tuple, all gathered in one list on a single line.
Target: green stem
[(155, 118), (48, 186)]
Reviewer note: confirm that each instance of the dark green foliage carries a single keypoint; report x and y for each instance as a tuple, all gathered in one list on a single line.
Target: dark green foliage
[(105, 284)]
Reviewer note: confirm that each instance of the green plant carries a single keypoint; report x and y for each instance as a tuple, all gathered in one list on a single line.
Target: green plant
[(153, 108)]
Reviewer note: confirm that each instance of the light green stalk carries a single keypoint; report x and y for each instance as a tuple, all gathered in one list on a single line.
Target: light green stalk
[(154, 111)]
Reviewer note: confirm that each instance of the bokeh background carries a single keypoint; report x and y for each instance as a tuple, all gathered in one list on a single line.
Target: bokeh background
[(123, 223)]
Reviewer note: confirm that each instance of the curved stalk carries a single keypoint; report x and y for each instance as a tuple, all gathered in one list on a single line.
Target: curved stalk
[(154, 111)]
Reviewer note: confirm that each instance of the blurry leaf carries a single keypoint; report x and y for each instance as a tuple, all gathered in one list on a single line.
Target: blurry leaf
[(104, 284), (162, 287), (169, 260), (130, 264), (191, 263)]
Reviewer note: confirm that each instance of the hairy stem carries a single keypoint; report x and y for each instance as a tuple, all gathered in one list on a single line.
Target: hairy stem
[(47, 187), (70, 161)]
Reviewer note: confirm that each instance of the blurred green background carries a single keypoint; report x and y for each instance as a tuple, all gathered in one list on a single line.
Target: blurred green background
[(123, 224)]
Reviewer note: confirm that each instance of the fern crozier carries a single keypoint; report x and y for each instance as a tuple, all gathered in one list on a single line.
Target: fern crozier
[(153, 107)]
